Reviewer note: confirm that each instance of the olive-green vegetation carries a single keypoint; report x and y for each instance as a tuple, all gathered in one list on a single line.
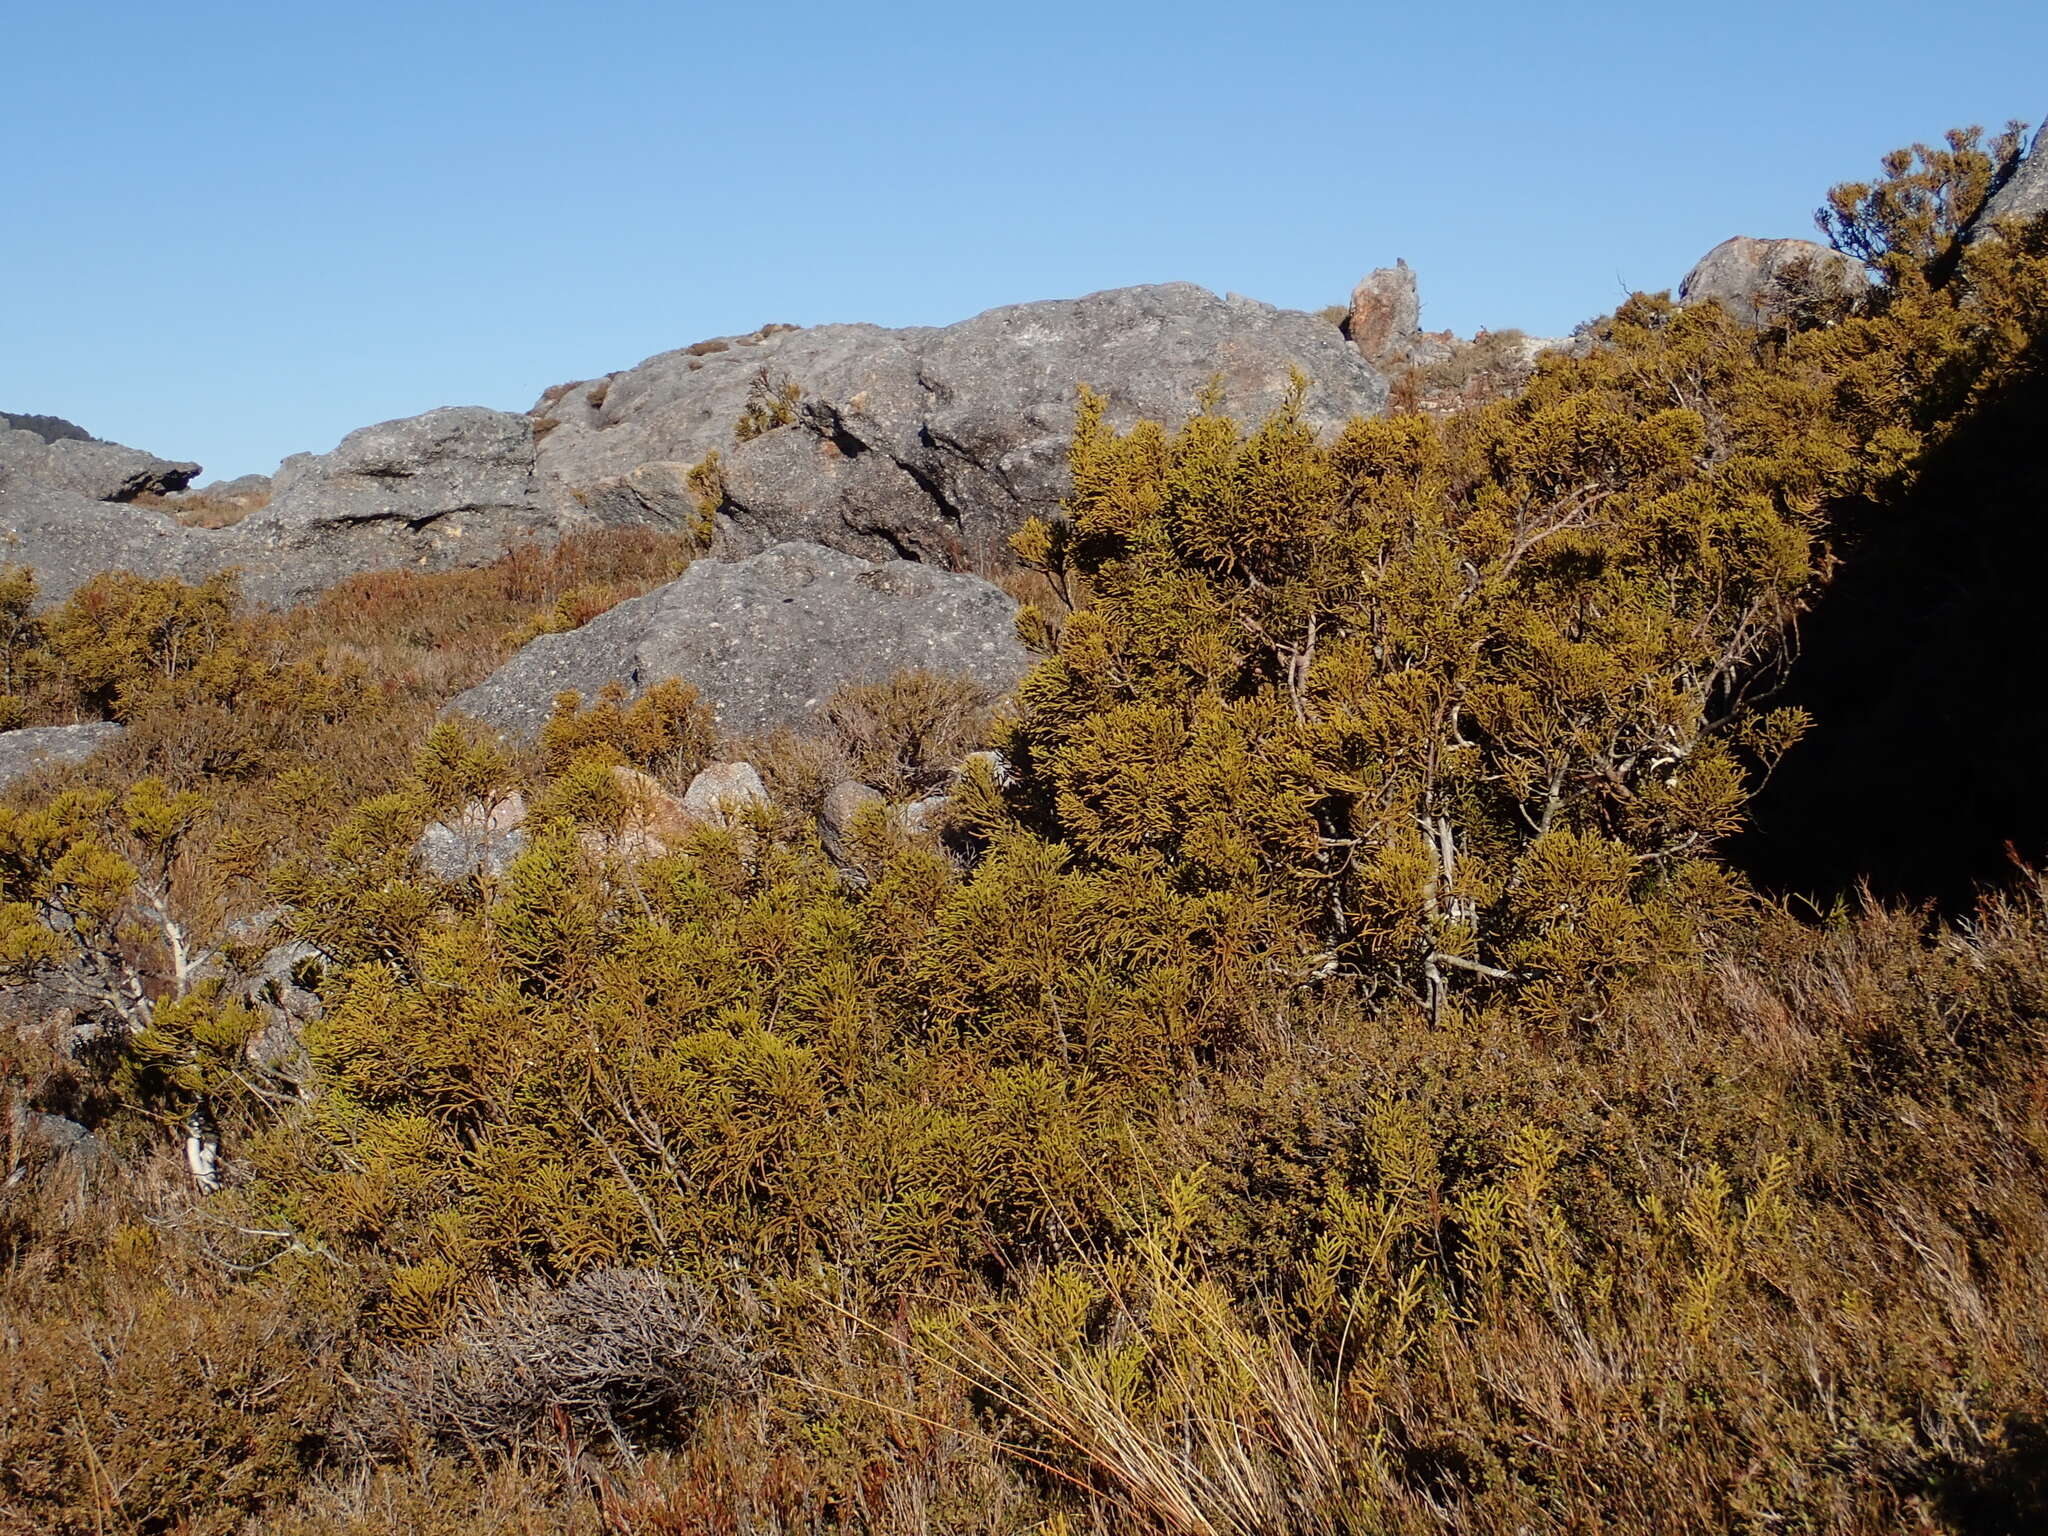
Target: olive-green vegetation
[(1319, 1074)]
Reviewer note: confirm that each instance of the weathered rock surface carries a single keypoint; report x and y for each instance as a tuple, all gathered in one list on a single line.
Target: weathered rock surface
[(55, 1139), (843, 805), (1386, 316), (767, 639), (25, 750), (934, 443), (2025, 195), (101, 471), (65, 538), (1766, 282), (724, 790), (450, 488)]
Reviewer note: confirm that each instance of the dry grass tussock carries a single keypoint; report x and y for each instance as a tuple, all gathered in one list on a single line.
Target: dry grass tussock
[(1761, 1257)]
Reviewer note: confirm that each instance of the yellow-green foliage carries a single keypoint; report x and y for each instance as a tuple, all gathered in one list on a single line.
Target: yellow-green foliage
[(1453, 704), (667, 731), (1905, 225), (1329, 1082)]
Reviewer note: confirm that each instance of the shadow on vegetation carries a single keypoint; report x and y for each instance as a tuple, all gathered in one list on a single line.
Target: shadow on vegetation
[(2007, 1495), (1923, 667)]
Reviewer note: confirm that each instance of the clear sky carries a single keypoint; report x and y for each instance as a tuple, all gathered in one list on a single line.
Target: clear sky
[(233, 231)]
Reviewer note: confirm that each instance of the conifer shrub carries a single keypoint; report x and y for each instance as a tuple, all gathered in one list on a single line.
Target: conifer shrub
[(667, 731)]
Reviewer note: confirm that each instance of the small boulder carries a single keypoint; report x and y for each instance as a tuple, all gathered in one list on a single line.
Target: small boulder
[(724, 791), (844, 802), (1772, 282), (922, 816), (62, 1142), (25, 750), (1386, 315), (656, 820)]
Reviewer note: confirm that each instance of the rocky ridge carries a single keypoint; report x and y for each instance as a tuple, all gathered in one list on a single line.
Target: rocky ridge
[(929, 443), (933, 443)]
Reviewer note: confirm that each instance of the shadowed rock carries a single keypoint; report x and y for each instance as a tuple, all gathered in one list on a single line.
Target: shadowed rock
[(2025, 193), (100, 471), (51, 429)]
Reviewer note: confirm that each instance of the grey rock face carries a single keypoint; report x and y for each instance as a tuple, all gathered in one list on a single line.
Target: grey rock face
[(767, 639), (844, 802), (2025, 195), (932, 443), (1386, 315), (101, 471), (66, 538), (453, 487), (1765, 282), (62, 1141), (23, 751)]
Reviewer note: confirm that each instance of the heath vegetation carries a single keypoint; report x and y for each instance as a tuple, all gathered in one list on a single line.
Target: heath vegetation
[(1325, 1075)]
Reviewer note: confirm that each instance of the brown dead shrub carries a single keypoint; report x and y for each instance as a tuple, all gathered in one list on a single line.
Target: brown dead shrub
[(619, 1353), (906, 735)]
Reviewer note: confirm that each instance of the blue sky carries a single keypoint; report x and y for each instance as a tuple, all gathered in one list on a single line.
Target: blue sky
[(233, 231)]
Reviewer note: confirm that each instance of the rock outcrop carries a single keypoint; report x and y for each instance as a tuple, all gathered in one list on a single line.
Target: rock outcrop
[(66, 538), (929, 443), (766, 639), (93, 469), (51, 429), (2025, 193), (450, 488), (25, 750), (1770, 282), (1385, 316)]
